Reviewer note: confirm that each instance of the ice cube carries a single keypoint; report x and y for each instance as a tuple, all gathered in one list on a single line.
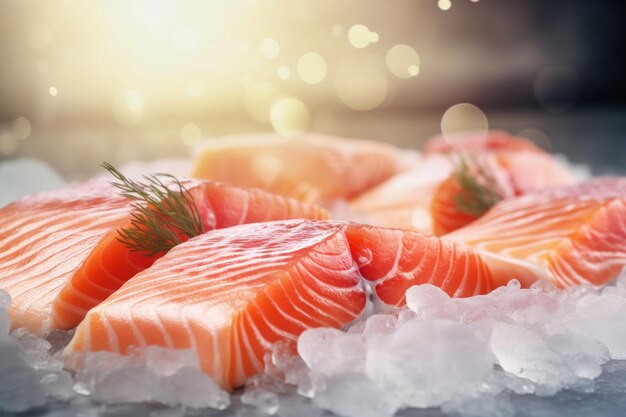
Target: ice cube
[(155, 374), (428, 362), (19, 383), (331, 351)]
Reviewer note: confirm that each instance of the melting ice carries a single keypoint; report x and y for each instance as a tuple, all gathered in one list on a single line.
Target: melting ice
[(466, 356)]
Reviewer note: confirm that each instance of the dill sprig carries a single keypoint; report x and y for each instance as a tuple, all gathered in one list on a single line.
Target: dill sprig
[(161, 213), (479, 188)]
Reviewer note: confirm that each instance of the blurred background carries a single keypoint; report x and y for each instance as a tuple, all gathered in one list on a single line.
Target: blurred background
[(87, 81)]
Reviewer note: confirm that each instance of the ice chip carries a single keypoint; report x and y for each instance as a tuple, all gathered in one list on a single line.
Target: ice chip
[(331, 351), (430, 362), (266, 401), (380, 323), (142, 377), (426, 298), (523, 353), (355, 395), (20, 389), (604, 319)]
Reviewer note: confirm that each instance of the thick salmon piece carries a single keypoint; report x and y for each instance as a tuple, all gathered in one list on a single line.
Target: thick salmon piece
[(569, 235), (514, 173), (394, 260), (231, 293), (312, 168), (424, 198), (59, 253), (493, 141)]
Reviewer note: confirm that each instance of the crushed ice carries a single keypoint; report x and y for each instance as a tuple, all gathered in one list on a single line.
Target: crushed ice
[(32, 373), (464, 355)]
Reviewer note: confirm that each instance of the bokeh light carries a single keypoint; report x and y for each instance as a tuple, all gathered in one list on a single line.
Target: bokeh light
[(421, 219), (444, 4), (289, 116), (284, 72), (269, 48), (266, 167), (53, 91), (463, 117), (359, 36), (312, 68), (128, 107), (21, 128), (190, 134), (360, 84), (403, 61)]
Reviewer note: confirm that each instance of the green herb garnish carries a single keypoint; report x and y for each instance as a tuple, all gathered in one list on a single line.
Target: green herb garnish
[(161, 213), (480, 190)]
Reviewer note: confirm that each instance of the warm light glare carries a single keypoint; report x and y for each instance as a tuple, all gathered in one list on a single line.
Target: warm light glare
[(312, 68), (266, 168), (403, 61), (128, 107), (444, 4), (289, 116), (463, 117), (360, 84), (269, 48), (421, 220), (53, 91), (190, 134), (283, 72), (359, 36), (184, 41)]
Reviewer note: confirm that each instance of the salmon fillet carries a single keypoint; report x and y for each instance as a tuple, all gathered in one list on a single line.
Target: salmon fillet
[(492, 141), (423, 198), (59, 253), (569, 235), (230, 294), (312, 168)]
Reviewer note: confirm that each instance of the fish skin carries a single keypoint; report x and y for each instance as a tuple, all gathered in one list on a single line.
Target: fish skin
[(569, 235), (59, 253), (230, 294)]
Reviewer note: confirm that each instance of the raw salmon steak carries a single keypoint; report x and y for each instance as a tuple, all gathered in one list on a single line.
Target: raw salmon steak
[(231, 293), (424, 197), (569, 235), (60, 254), (312, 168)]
